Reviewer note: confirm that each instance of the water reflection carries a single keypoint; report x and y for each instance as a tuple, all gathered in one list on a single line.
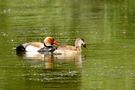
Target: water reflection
[(50, 59), (51, 69), (46, 58)]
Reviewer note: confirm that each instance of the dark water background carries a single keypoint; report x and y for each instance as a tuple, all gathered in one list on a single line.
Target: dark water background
[(107, 26)]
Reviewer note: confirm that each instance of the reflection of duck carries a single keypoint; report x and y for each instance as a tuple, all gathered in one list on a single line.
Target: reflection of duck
[(46, 46), (49, 59), (37, 57), (70, 52)]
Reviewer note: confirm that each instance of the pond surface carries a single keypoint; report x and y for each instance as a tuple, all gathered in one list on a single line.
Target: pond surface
[(107, 26)]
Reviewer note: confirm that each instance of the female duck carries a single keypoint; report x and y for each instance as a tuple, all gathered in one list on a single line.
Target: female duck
[(69, 51), (46, 46)]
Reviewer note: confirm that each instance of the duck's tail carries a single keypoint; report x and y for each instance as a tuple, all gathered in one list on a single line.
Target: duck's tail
[(20, 49)]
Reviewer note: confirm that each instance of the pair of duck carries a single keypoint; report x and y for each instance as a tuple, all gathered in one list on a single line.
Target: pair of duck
[(49, 45)]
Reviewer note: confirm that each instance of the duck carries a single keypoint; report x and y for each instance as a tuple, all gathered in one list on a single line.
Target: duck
[(70, 51), (46, 46)]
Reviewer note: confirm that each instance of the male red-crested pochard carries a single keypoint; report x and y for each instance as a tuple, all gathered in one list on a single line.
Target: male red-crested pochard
[(46, 46), (69, 51)]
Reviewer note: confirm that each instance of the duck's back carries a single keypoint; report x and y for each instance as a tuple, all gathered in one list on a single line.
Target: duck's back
[(66, 50), (67, 47)]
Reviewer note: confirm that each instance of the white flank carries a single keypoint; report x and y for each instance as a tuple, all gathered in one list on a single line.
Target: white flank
[(32, 49)]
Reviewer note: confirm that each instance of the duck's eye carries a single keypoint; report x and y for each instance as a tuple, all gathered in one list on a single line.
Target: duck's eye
[(52, 41)]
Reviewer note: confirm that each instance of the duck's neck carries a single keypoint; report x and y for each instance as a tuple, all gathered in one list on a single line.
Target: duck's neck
[(78, 45), (47, 46)]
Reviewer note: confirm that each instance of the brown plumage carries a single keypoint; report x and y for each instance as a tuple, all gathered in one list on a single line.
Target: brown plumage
[(69, 51)]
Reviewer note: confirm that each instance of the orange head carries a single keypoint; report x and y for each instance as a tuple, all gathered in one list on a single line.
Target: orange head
[(49, 41)]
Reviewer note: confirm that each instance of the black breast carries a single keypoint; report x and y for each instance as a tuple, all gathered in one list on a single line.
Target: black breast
[(47, 49)]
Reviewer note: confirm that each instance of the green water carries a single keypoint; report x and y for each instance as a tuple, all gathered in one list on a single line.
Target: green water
[(106, 25)]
